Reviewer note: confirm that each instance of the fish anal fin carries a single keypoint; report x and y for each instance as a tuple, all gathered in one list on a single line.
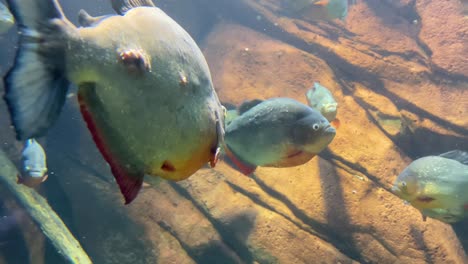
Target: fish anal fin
[(242, 166), (130, 182), (122, 6), (247, 105)]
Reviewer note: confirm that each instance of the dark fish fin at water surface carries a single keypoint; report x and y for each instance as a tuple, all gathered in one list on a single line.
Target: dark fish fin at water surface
[(247, 105), (458, 155), (129, 182), (122, 6), (86, 20), (35, 87)]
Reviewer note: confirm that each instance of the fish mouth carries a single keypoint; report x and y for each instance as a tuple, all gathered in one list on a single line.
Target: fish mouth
[(295, 154), (329, 129), (395, 190), (36, 174)]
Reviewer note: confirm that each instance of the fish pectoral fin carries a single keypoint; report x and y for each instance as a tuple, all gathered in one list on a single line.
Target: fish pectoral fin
[(122, 6), (86, 20), (44, 178), (216, 149)]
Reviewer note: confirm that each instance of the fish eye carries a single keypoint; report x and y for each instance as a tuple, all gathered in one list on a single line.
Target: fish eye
[(315, 127), (403, 185)]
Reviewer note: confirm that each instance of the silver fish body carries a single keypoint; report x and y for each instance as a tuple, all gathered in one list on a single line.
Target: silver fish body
[(34, 163), (145, 89), (278, 132), (320, 98), (436, 185)]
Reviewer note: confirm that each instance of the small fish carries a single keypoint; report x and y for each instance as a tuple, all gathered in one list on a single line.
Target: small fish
[(321, 9), (6, 19), (436, 185), (320, 98), (34, 164), (279, 132), (144, 87)]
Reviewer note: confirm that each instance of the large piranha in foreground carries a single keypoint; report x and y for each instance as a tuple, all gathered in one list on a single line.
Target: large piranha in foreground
[(145, 89)]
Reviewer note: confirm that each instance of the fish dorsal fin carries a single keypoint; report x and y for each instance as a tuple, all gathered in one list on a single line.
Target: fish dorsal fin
[(458, 155), (122, 6), (86, 20), (247, 105)]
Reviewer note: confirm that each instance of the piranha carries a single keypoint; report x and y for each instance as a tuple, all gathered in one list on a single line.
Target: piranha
[(6, 19), (144, 87), (436, 185), (278, 132), (320, 98), (34, 164), (321, 9)]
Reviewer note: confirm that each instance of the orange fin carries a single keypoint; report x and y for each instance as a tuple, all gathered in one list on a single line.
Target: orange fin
[(240, 165), (336, 123), (44, 178), (321, 3)]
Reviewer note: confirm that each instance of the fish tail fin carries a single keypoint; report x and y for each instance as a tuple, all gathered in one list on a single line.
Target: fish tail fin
[(240, 165), (35, 87)]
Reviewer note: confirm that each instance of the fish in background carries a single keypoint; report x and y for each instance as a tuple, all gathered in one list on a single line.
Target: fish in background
[(6, 19), (321, 9), (34, 164), (144, 87), (320, 98), (436, 185), (278, 132)]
